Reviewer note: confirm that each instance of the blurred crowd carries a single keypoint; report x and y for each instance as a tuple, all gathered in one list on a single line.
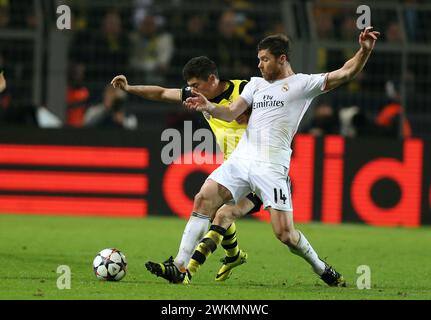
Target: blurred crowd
[(150, 41)]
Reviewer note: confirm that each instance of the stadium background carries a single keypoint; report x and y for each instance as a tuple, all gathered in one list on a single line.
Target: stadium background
[(363, 153)]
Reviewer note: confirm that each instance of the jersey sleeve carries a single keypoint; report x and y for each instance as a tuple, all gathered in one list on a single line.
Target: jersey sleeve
[(315, 84), (248, 91)]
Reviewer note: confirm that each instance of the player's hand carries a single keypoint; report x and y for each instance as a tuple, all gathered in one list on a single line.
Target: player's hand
[(198, 102), (368, 38), (120, 82), (2, 82)]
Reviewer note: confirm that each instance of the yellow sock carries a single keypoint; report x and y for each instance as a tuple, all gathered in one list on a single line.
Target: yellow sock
[(206, 247), (230, 243)]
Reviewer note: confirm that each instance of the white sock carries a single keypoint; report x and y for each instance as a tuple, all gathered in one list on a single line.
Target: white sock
[(196, 228), (306, 251)]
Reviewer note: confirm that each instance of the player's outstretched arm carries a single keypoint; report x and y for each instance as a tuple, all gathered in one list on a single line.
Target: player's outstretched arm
[(2, 81), (199, 103), (352, 67), (155, 93)]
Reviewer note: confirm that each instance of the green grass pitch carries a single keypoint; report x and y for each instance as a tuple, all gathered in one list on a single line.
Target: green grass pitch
[(32, 247)]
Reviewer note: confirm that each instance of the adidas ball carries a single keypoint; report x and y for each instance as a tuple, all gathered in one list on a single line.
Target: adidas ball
[(110, 265)]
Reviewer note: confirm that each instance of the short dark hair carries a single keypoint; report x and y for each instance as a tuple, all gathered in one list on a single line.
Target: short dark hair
[(199, 67), (277, 44)]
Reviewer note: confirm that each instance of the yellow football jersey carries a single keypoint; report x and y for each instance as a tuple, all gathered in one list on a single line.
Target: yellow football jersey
[(227, 134)]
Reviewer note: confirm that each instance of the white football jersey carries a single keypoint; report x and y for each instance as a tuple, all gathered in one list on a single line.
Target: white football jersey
[(277, 109)]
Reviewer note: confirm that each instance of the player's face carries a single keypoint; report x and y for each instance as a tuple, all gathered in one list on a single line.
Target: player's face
[(206, 87), (270, 66)]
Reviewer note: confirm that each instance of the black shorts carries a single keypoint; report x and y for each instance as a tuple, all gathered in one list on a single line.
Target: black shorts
[(256, 201)]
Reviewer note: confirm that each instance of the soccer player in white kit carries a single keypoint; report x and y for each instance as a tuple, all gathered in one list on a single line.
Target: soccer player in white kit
[(260, 162)]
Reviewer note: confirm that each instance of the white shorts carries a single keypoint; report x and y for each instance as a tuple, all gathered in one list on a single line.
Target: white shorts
[(269, 181)]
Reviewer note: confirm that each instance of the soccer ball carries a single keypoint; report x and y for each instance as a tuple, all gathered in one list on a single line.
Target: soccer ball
[(110, 265)]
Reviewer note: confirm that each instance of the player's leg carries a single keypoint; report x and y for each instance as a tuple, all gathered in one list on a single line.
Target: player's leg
[(273, 187), (225, 183), (248, 205), (211, 196), (234, 255), (284, 230), (224, 218), (230, 241)]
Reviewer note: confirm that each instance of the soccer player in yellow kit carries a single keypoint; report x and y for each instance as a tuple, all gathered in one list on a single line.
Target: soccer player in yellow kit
[(201, 74)]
